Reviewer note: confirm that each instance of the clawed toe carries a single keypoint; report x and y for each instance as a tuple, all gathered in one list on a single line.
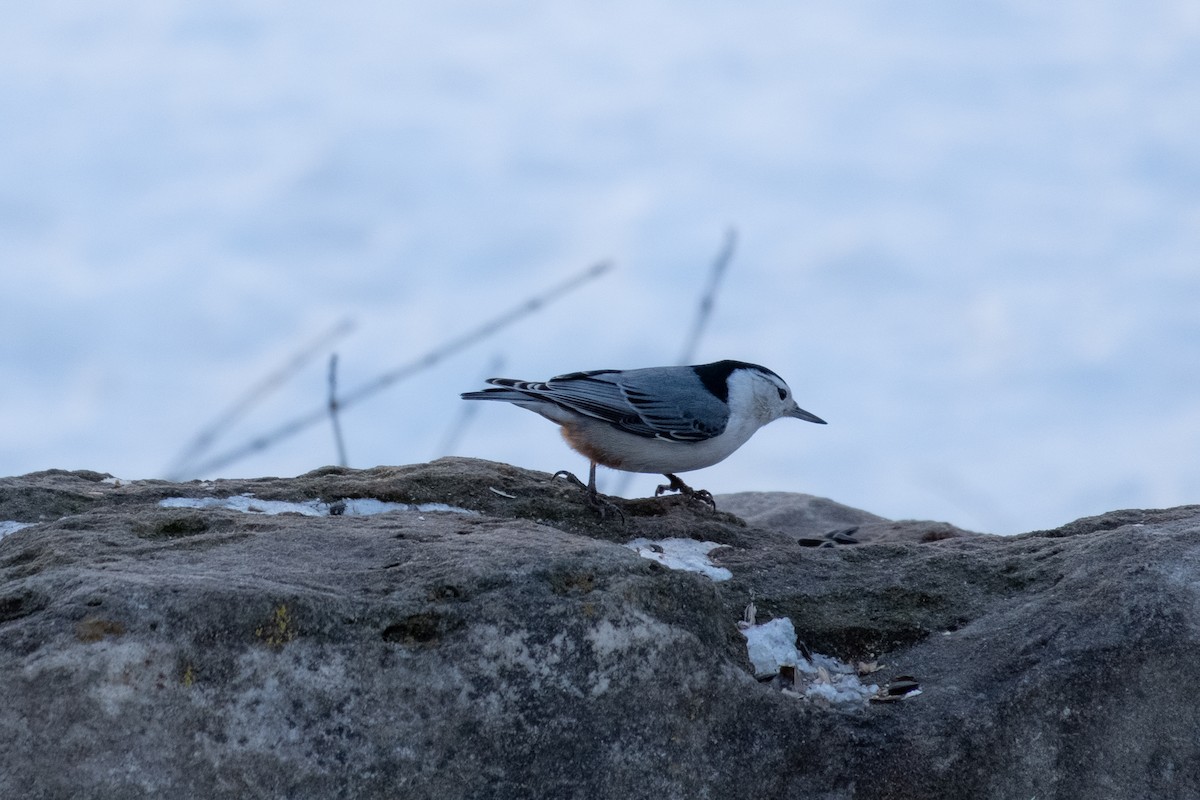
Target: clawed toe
[(570, 477), (603, 507), (676, 485), (705, 496)]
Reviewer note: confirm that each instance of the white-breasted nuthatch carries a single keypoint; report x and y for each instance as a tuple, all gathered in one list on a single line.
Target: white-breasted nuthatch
[(660, 419)]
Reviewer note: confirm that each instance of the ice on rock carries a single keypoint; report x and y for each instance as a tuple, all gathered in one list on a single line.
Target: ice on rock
[(351, 507), (772, 646), (684, 554)]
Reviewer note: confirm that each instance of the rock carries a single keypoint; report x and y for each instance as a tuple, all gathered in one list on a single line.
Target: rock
[(523, 651), (804, 516)]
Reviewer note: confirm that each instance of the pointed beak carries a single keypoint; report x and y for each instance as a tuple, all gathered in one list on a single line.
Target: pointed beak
[(800, 413)]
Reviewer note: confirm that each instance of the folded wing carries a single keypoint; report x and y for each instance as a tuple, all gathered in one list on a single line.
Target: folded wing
[(657, 403)]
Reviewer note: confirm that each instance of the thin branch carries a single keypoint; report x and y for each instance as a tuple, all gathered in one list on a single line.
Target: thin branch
[(708, 299), (333, 411), (209, 434), (405, 371), (467, 412), (471, 337)]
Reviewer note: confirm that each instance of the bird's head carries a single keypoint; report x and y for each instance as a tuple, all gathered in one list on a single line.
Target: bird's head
[(768, 395)]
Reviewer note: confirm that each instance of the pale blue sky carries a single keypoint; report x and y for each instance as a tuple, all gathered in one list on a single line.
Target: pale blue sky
[(968, 232)]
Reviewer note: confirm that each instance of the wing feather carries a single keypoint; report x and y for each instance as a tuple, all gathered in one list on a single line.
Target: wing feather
[(668, 403)]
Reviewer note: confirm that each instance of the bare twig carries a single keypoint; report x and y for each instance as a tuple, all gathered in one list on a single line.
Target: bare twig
[(482, 332), (333, 411), (467, 412), (405, 371), (210, 433), (708, 300)]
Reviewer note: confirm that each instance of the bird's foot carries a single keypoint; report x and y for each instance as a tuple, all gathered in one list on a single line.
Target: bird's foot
[(603, 507), (570, 478), (676, 485)]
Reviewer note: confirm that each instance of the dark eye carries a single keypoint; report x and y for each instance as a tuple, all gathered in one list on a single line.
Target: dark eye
[(783, 394)]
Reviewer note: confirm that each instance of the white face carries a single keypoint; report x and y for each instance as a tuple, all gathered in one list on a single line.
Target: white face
[(759, 395), (779, 396), (774, 399)]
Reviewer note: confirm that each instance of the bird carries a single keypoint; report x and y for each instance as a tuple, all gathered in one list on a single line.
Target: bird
[(663, 420)]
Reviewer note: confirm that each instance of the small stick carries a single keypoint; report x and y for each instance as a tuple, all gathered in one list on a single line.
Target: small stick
[(467, 413), (209, 434), (708, 299), (333, 411)]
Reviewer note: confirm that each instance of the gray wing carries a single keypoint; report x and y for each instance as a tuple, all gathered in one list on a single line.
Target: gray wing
[(661, 402)]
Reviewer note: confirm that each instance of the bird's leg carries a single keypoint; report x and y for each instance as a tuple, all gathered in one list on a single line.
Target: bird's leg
[(676, 485), (598, 503)]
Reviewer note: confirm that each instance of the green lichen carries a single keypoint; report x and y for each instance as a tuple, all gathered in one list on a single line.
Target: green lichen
[(279, 630)]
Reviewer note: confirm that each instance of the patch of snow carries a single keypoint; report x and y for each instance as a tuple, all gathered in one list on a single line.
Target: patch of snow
[(11, 526), (351, 507), (247, 504), (369, 506), (772, 646), (685, 554), (841, 688), (442, 507)]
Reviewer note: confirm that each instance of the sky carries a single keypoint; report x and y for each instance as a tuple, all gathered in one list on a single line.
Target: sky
[(967, 234)]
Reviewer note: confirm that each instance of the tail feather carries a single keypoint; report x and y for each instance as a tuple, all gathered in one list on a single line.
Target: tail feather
[(508, 395), (511, 390), (525, 394)]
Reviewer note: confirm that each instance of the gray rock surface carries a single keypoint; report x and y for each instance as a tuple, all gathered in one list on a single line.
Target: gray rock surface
[(523, 652)]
